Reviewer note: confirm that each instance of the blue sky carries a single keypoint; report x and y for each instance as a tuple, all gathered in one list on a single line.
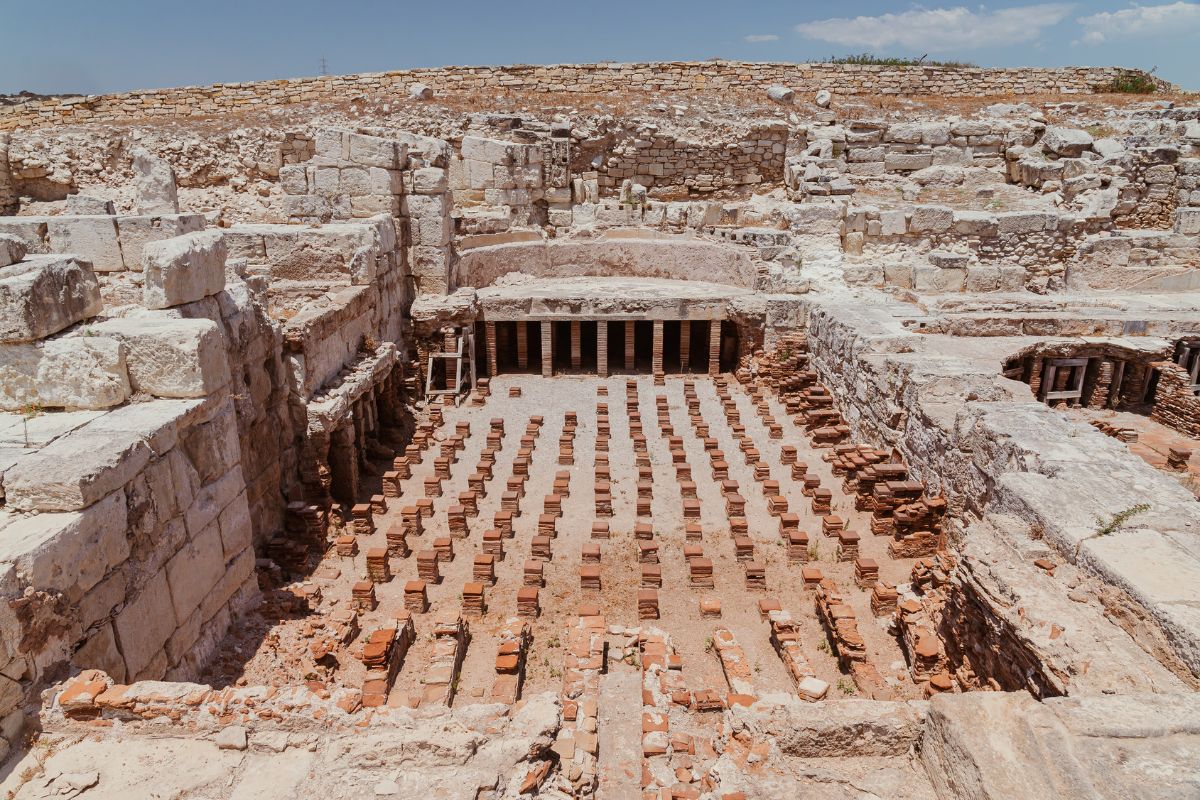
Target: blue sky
[(118, 45)]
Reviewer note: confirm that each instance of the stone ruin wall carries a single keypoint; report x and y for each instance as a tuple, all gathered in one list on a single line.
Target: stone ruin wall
[(220, 375), (582, 78), (983, 455)]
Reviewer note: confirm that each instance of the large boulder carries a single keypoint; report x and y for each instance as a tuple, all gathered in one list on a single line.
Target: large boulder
[(155, 182), (183, 269), (44, 294)]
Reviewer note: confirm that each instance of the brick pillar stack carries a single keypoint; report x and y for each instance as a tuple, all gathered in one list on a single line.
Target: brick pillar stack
[(656, 358), (576, 346), (685, 345), (602, 349), (490, 333), (547, 349), (523, 345), (714, 347), (629, 349)]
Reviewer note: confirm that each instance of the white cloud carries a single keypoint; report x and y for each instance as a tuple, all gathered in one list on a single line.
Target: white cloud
[(1171, 18), (755, 38), (940, 29)]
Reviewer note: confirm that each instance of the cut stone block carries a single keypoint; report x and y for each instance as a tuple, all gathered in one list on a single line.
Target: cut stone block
[(93, 238), (170, 357), (138, 230), (44, 294), (12, 249), (87, 372), (183, 269)]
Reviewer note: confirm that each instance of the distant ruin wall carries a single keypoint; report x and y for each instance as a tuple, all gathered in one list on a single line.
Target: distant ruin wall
[(719, 76)]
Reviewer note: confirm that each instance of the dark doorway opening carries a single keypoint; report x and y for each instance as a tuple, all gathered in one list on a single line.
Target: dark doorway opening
[(533, 332), (616, 346), (698, 355), (587, 347), (643, 345), (729, 346), (561, 333), (672, 332)]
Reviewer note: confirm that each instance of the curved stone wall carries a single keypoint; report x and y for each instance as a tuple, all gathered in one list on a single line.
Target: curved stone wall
[(677, 258)]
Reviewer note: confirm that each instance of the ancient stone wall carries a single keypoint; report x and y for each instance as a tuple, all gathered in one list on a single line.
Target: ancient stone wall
[(660, 160), (713, 76), (961, 428), (1175, 404)]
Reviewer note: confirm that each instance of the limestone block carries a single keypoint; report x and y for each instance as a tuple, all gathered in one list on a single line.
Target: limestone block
[(293, 179), (491, 151), (900, 162), (893, 223), (183, 269), (420, 91), (137, 231), (781, 94), (171, 357), (75, 471), (374, 151), (68, 552), (100, 652), (931, 219), (86, 204), (429, 180), (1067, 142), (975, 223), (1020, 223), (12, 249), (1187, 221), (331, 144), (930, 278), (33, 231), (72, 373), (154, 180), (858, 154), (817, 218), (145, 624), (94, 238), (194, 571), (44, 294), (235, 526)]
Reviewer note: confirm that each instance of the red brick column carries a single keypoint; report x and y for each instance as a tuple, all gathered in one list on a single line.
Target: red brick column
[(714, 347), (489, 331), (685, 345), (629, 361), (602, 349), (547, 348), (656, 356), (576, 347), (523, 345)]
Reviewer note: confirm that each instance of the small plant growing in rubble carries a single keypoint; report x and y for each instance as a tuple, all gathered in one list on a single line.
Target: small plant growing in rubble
[(814, 552), (846, 686), (28, 412), (1118, 520), (708, 644)]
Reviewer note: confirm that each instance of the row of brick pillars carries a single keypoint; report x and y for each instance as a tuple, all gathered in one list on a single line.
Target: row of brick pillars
[(546, 330)]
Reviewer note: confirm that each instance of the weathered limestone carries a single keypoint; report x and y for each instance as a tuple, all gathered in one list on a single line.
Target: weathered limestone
[(42, 295), (170, 357), (183, 269), (155, 182)]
